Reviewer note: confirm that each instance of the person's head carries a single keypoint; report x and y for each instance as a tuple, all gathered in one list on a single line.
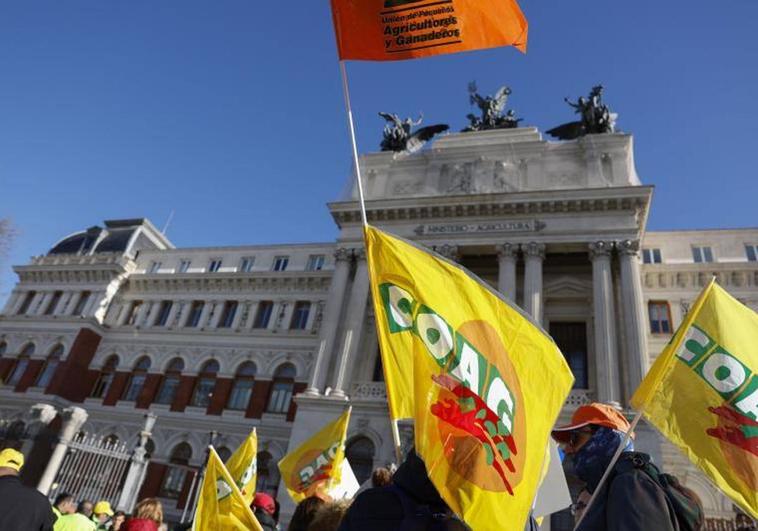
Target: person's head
[(85, 507), (65, 503), (102, 511), (304, 513), (585, 422), (149, 509), (118, 520), (264, 502), (329, 516), (11, 461), (381, 477)]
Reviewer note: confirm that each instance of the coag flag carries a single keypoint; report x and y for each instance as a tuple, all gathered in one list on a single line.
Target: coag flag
[(243, 466), (221, 505), (387, 30), (702, 393), (316, 465), (484, 384)]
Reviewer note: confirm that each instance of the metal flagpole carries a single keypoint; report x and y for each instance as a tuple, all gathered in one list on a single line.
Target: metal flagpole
[(351, 125), (610, 466)]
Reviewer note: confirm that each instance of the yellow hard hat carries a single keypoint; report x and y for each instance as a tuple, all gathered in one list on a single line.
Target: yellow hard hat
[(103, 507), (11, 458)]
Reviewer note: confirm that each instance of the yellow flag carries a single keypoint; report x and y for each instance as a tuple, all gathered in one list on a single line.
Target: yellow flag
[(702, 393), (483, 383), (221, 505), (243, 466), (315, 466)]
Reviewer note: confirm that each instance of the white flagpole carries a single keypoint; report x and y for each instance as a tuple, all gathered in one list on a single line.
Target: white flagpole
[(356, 163)]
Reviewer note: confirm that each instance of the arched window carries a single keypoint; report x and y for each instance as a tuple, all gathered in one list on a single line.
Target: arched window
[(206, 382), (177, 470), (281, 389), (22, 362), (224, 453), (105, 378), (359, 452), (51, 365), (242, 389), (137, 379), (170, 383), (268, 474)]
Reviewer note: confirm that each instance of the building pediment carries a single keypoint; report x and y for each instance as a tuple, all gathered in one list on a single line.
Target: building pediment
[(566, 287)]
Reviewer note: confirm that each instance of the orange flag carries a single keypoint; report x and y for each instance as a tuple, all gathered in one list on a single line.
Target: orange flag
[(389, 30)]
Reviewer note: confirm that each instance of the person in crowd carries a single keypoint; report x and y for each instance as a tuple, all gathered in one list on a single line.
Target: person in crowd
[(147, 516), (264, 508), (630, 499), (410, 501), (21, 507), (304, 513), (119, 517), (68, 519), (744, 523), (381, 477), (85, 507), (64, 504), (329, 516), (102, 514)]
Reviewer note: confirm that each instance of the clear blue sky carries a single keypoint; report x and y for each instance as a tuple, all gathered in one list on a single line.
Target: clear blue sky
[(230, 112)]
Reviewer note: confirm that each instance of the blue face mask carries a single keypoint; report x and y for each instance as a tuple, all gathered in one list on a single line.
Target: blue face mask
[(594, 457)]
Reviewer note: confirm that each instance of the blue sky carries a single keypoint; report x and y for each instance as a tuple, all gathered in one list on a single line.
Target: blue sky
[(229, 112)]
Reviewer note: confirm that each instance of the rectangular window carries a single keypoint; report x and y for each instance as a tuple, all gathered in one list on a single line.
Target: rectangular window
[(134, 388), (168, 390), (651, 256), (281, 262), (263, 315), (202, 395), (154, 267), (752, 252), (214, 265), (18, 371), (53, 302), (102, 385), (660, 317), (246, 264), (83, 300), (315, 262), (300, 315), (134, 313), (184, 266), (173, 482), (163, 313), (27, 302), (702, 255), (193, 319), (227, 316), (240, 395), (571, 339)]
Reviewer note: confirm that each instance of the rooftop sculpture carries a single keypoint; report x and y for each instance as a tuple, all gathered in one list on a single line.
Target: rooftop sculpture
[(492, 108), (595, 116), (399, 137)]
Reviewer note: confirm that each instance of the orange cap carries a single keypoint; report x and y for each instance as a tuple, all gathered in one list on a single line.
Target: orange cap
[(594, 414)]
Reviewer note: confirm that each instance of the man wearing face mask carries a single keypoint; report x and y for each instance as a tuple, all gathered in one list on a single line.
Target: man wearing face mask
[(630, 499)]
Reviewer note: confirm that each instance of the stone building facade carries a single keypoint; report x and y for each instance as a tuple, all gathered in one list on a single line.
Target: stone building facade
[(117, 320)]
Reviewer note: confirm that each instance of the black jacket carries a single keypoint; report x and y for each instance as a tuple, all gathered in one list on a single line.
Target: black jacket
[(630, 501), (23, 508), (266, 520)]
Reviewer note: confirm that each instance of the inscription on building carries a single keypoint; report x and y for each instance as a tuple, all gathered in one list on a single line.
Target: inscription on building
[(524, 225)]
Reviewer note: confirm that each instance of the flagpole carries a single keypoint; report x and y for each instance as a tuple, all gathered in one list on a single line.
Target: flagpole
[(351, 125), (396, 440), (607, 472)]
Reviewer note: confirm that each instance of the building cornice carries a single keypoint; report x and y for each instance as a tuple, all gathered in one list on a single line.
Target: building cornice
[(231, 283), (695, 276)]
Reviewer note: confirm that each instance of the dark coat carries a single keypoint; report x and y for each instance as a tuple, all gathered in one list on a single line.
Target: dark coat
[(266, 520), (630, 501), (23, 508)]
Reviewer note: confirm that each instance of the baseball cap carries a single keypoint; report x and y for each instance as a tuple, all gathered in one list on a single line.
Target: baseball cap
[(594, 414), (103, 507), (11, 458), (265, 502)]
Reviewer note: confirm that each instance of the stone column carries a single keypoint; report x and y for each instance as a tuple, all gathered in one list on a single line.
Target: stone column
[(142, 313), (72, 302), (534, 254), (636, 359), (34, 306), (46, 298), (238, 315), (185, 308), (205, 314), (60, 308), (356, 318), (218, 311), (135, 475), (175, 306), (330, 321), (73, 419), (607, 374), (251, 315), (94, 300), (11, 302), (507, 254), (126, 311)]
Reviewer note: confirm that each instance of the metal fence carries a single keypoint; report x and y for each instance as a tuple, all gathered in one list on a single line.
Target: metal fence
[(94, 468), (719, 524)]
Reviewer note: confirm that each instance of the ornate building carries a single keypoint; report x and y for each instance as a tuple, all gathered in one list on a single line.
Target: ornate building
[(222, 339)]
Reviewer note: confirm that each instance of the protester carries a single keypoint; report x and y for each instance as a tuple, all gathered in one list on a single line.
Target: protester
[(410, 501), (304, 513), (85, 507), (381, 477), (147, 516), (264, 508), (329, 516), (21, 507), (119, 517), (630, 499), (64, 504), (102, 514)]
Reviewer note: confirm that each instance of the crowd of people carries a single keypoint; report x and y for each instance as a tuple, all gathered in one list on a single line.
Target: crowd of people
[(636, 496)]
